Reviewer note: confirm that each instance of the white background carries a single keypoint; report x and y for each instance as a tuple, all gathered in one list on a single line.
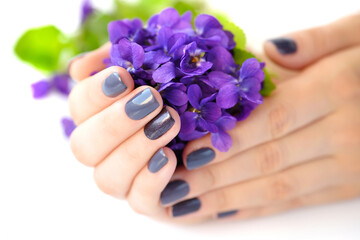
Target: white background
[(46, 194)]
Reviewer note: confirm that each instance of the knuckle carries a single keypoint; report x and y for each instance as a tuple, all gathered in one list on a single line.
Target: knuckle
[(210, 176), (270, 158), (222, 199), (137, 205), (345, 86), (279, 120), (280, 188), (77, 147)]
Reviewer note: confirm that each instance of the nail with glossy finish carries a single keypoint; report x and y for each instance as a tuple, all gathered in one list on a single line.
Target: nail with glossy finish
[(199, 158), (186, 207), (113, 86), (284, 45), (174, 191), (157, 161), (159, 125), (227, 213), (141, 105)]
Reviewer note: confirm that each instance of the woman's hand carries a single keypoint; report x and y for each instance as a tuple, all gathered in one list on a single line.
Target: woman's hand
[(122, 132), (300, 147)]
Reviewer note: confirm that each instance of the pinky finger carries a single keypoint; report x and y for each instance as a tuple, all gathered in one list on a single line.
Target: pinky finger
[(147, 186), (330, 195)]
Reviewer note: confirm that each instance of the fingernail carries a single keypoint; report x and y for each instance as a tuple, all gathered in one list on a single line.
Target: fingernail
[(186, 207), (227, 213), (157, 161), (113, 85), (199, 158), (174, 191), (284, 45), (141, 105), (159, 125)]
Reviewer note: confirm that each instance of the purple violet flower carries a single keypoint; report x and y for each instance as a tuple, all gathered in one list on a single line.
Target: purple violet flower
[(202, 115), (131, 29), (86, 10), (247, 86), (193, 62), (175, 94), (171, 18), (128, 55), (211, 33)]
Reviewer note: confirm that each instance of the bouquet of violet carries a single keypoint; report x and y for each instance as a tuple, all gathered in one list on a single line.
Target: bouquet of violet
[(203, 72)]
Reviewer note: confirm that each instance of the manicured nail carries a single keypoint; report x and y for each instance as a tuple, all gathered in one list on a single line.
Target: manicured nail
[(159, 125), (174, 191), (227, 213), (199, 158), (284, 45), (186, 207), (157, 161), (113, 85), (141, 105)]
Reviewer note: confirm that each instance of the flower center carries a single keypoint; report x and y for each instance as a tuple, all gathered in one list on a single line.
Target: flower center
[(192, 109)]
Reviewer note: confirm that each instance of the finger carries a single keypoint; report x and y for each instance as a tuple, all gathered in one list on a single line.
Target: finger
[(98, 136), (115, 174), (281, 187), (145, 190), (334, 194), (303, 145), (97, 92), (86, 64), (294, 104), (298, 50)]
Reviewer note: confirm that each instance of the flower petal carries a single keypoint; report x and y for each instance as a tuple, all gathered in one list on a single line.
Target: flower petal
[(118, 30), (168, 17), (188, 122), (249, 68), (176, 96), (221, 141), (138, 55), (40, 89), (203, 124), (228, 96), (191, 135), (164, 73), (194, 94), (204, 22), (68, 126), (226, 123), (219, 79), (210, 112), (222, 60)]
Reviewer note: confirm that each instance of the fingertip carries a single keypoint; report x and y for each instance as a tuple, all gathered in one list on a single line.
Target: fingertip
[(88, 63)]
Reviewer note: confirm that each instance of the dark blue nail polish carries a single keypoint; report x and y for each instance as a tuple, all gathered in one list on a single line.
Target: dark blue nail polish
[(113, 85), (157, 161), (186, 207), (227, 214), (174, 191), (141, 105), (284, 45), (199, 158), (159, 125)]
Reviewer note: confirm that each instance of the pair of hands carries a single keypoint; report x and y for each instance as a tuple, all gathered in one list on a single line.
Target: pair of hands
[(300, 147)]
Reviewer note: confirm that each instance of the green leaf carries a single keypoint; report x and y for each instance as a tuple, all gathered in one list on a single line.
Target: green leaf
[(195, 7), (41, 47), (239, 35), (93, 33), (240, 56)]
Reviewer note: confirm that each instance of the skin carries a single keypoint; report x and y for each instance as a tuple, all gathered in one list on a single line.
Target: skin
[(301, 147)]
